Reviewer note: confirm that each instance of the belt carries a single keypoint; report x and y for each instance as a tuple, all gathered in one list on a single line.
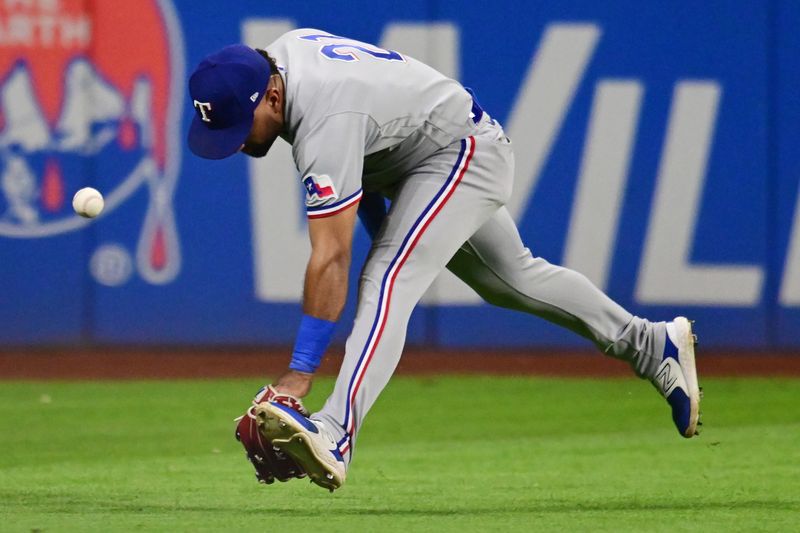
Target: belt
[(476, 113)]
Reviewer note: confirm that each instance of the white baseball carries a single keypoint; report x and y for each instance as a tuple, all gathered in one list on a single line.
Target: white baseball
[(88, 202)]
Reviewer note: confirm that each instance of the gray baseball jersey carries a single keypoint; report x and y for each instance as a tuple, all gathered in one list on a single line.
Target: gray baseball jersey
[(335, 117), (361, 118)]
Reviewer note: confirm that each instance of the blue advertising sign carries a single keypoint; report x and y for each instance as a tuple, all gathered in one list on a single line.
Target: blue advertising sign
[(654, 143)]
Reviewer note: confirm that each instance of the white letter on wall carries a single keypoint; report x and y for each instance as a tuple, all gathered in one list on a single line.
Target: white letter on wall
[(542, 103), (790, 287), (533, 124), (603, 175), (435, 44), (666, 275)]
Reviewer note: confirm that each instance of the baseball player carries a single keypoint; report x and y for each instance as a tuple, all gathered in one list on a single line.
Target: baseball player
[(367, 126)]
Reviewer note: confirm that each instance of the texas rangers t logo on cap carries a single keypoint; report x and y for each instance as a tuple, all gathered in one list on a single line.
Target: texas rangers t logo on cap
[(227, 82), (204, 108)]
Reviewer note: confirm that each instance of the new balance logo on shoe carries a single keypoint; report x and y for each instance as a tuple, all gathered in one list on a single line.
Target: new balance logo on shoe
[(676, 377), (668, 376)]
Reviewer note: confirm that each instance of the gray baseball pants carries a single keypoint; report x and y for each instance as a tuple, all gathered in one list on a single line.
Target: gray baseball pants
[(448, 212)]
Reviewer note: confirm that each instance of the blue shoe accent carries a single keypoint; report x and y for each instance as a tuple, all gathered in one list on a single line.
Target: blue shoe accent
[(303, 421), (307, 442), (681, 409), (335, 453), (670, 350), (678, 400), (676, 377), (669, 379)]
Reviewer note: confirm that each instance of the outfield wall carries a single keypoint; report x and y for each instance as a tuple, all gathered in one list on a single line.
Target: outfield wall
[(658, 152)]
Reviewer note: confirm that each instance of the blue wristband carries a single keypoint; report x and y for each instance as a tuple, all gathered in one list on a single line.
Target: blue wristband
[(313, 338)]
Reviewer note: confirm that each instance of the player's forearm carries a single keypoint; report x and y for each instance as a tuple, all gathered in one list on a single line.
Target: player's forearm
[(325, 294), (325, 290)]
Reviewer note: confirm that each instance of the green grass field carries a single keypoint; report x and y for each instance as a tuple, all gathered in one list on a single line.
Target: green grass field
[(436, 454)]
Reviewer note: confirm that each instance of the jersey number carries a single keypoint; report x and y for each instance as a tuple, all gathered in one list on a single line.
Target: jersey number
[(332, 51)]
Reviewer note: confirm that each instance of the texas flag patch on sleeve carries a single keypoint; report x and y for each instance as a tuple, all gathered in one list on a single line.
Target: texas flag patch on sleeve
[(319, 189)]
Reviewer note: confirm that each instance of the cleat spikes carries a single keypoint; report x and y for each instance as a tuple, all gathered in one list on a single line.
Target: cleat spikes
[(306, 442)]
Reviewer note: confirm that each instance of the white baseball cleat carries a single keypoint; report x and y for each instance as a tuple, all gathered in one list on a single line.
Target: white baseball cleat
[(676, 377), (305, 440)]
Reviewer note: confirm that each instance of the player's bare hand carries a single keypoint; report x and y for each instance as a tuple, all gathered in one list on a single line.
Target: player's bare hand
[(295, 383)]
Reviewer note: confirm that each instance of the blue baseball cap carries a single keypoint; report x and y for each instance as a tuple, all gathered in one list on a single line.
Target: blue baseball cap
[(225, 89)]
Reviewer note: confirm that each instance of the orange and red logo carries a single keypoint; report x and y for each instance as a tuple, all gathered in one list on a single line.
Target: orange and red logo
[(91, 94)]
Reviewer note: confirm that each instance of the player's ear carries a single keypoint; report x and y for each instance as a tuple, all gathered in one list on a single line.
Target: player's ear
[(274, 95)]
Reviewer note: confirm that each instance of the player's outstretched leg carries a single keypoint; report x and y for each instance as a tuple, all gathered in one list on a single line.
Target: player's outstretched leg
[(306, 441), (676, 377), (498, 266)]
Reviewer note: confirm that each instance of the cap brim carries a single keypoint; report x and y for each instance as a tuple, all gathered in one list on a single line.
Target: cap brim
[(217, 144)]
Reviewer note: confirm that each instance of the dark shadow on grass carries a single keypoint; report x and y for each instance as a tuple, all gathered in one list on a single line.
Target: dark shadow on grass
[(532, 508), (72, 507)]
